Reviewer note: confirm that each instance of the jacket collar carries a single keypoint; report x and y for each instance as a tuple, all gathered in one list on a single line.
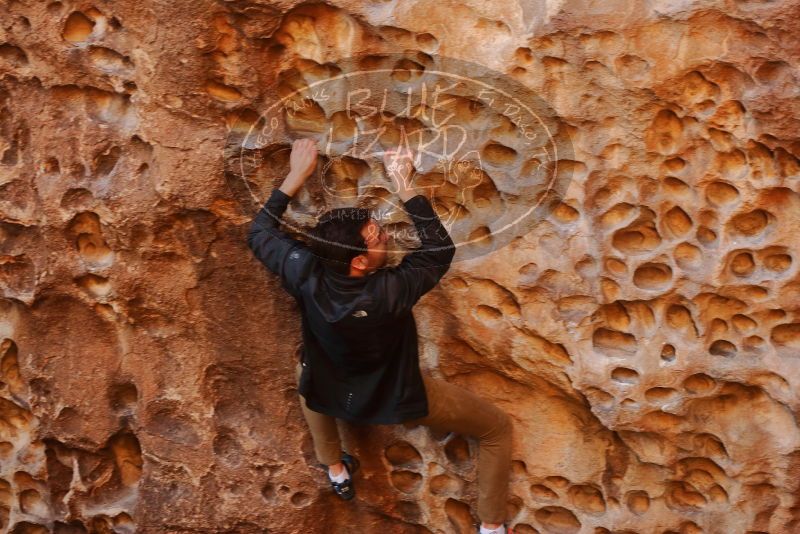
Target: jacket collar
[(346, 279)]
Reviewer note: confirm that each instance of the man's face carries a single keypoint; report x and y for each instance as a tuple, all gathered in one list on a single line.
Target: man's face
[(375, 238)]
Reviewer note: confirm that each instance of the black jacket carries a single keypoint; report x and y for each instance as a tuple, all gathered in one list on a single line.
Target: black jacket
[(360, 359)]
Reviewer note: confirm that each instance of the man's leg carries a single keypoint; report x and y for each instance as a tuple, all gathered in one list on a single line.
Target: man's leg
[(454, 409), (324, 433)]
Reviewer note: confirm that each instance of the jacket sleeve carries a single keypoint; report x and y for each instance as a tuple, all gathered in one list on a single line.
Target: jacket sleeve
[(422, 268), (288, 258)]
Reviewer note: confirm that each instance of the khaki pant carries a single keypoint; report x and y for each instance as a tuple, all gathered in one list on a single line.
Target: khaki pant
[(450, 409)]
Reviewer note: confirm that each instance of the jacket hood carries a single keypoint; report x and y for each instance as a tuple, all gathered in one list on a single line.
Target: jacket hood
[(337, 296)]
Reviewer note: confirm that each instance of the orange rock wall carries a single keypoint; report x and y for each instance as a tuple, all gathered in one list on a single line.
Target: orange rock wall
[(644, 335)]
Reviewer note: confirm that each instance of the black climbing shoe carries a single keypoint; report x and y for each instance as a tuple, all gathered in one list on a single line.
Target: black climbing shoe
[(351, 462), (345, 489)]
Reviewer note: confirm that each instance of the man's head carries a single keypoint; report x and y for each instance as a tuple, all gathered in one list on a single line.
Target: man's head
[(349, 241)]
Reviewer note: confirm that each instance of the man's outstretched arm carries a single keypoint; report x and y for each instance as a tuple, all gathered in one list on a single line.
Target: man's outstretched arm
[(288, 258), (422, 268)]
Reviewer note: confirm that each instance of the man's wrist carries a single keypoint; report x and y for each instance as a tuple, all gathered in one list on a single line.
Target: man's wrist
[(280, 195), (292, 184), (408, 195), (288, 189)]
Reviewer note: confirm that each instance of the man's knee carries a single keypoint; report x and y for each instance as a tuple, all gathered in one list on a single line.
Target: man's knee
[(504, 425)]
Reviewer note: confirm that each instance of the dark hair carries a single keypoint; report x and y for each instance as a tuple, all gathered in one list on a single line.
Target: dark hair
[(337, 237)]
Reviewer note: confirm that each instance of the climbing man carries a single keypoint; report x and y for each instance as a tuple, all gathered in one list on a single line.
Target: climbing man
[(359, 361)]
